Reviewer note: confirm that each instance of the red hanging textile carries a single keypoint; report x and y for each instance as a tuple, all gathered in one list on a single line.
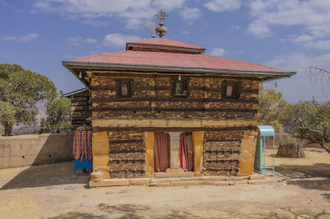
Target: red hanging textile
[(189, 155), (82, 145), (161, 151), (182, 153)]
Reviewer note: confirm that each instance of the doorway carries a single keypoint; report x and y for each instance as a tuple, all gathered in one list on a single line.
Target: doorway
[(162, 151), (186, 152)]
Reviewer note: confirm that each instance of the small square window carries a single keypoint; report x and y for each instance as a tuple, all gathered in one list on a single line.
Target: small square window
[(124, 88), (180, 87), (230, 90)]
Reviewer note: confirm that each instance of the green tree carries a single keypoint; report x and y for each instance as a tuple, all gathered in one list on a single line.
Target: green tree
[(22, 89), (311, 121), (58, 115), (7, 115), (271, 107)]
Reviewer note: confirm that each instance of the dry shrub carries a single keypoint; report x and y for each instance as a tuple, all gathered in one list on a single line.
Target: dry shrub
[(290, 147)]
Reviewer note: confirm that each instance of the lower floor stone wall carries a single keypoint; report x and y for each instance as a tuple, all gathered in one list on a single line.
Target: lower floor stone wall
[(216, 153)]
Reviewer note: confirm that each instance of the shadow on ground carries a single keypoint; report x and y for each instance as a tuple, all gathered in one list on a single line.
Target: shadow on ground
[(327, 197), (47, 175), (307, 177), (124, 211)]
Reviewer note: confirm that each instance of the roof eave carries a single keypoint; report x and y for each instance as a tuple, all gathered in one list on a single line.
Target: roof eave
[(264, 75), (69, 94)]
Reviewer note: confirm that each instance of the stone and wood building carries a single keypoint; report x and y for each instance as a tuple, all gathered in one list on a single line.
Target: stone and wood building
[(163, 108)]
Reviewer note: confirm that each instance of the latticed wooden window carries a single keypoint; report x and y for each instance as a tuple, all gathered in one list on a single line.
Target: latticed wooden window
[(230, 90), (124, 88)]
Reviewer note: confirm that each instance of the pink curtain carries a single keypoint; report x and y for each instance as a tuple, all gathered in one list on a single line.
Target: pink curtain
[(162, 151), (182, 153), (186, 152)]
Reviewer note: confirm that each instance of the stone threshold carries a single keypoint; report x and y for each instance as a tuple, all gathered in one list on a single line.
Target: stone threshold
[(255, 179)]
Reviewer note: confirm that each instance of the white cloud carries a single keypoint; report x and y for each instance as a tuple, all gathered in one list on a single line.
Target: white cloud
[(312, 15), (319, 45), (190, 13), (7, 38), (135, 13), (90, 40), (25, 38), (119, 40), (168, 5), (185, 32), (78, 40), (235, 27), (95, 23), (302, 38), (259, 29), (223, 5), (217, 52), (29, 37)]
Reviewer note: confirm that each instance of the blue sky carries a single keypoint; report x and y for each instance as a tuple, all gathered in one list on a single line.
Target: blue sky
[(291, 35)]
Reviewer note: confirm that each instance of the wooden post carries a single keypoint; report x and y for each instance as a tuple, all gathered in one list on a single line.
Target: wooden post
[(101, 155), (149, 144), (198, 141), (247, 154)]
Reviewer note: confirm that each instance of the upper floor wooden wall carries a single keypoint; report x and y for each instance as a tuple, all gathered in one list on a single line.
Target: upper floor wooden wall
[(152, 98)]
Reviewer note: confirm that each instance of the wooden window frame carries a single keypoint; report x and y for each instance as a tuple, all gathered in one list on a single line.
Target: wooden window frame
[(119, 84), (185, 86), (236, 90)]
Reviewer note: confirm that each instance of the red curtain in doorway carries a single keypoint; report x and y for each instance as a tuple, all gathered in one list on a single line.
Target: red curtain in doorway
[(162, 151), (186, 152)]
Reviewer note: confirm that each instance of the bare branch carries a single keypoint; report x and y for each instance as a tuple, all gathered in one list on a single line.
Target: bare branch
[(316, 72)]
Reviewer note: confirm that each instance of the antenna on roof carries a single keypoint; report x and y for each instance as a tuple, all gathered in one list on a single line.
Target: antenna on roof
[(161, 29), (152, 27)]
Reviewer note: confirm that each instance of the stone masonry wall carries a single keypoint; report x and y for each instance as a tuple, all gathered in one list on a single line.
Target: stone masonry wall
[(25, 150)]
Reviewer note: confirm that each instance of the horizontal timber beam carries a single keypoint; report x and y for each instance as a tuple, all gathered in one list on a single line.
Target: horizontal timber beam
[(175, 129), (163, 123)]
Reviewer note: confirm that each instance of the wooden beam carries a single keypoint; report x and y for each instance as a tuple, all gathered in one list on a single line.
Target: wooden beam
[(175, 129), (154, 123)]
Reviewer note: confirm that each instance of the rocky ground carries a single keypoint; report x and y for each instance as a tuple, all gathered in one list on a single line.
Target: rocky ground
[(50, 191)]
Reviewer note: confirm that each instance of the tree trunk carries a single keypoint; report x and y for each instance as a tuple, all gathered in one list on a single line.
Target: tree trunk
[(8, 129), (324, 145)]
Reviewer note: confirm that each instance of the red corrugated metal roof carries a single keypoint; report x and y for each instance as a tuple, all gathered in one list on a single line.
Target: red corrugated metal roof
[(164, 42), (175, 59)]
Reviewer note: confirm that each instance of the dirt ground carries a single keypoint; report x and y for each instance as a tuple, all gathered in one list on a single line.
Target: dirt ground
[(51, 191)]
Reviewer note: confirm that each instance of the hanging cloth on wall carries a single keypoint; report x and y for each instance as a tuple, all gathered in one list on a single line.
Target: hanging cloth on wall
[(88, 146), (82, 145), (162, 151)]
